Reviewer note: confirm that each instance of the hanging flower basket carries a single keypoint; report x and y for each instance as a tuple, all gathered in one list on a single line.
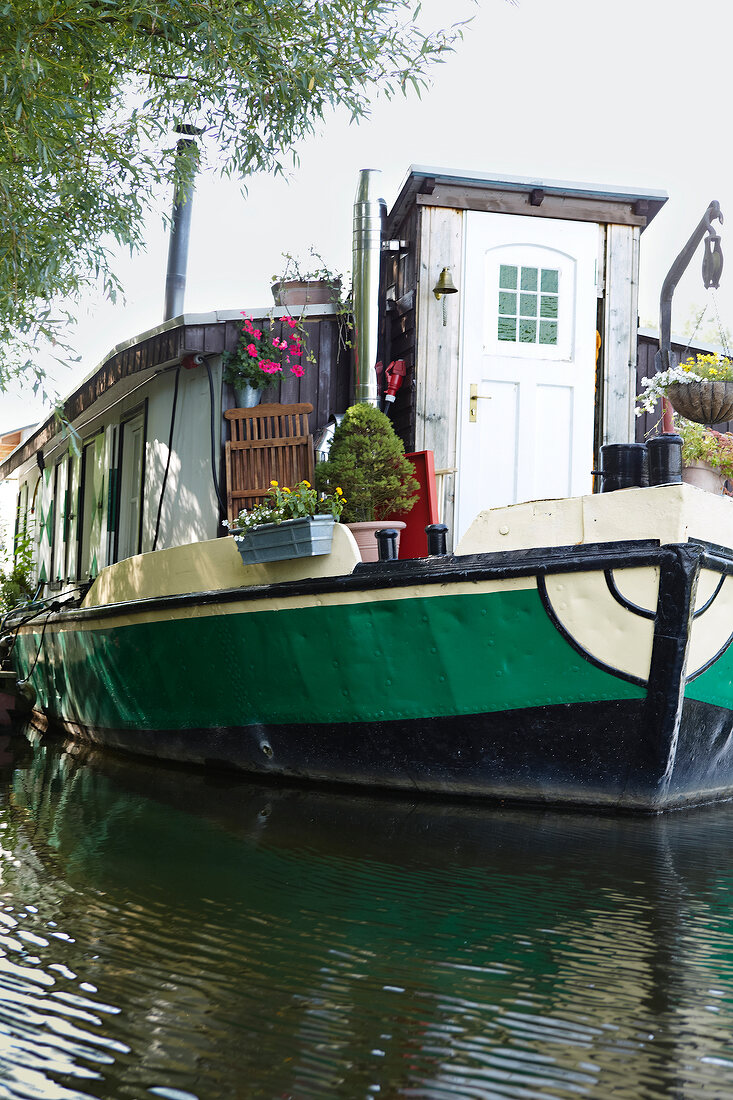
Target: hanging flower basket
[(704, 402)]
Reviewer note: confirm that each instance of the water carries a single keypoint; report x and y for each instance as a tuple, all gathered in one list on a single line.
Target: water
[(165, 935)]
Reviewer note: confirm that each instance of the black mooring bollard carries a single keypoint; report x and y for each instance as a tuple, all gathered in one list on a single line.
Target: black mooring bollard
[(387, 539), (437, 534), (665, 460), (623, 466)]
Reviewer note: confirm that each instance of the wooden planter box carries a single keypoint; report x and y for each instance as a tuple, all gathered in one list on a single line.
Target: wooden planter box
[(293, 538)]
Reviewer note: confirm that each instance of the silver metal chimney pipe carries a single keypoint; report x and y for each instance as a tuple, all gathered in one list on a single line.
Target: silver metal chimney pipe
[(367, 241), (175, 279)]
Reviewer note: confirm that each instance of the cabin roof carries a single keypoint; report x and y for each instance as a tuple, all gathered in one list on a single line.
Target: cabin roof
[(643, 204)]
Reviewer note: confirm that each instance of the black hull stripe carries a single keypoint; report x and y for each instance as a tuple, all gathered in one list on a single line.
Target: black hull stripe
[(708, 603), (621, 599), (583, 754)]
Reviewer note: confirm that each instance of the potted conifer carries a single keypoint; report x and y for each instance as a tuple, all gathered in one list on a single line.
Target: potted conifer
[(367, 460)]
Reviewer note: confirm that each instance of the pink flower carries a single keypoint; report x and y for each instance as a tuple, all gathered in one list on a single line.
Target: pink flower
[(252, 350), (297, 370), (290, 322), (247, 326), (296, 349), (257, 333)]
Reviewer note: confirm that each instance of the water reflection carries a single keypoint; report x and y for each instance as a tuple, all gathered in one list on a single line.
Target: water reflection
[(162, 934)]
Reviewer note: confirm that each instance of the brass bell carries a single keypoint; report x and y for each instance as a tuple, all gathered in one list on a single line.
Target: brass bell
[(445, 284)]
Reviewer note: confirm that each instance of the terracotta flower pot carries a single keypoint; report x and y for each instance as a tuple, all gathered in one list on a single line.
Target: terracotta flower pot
[(704, 476), (305, 292), (366, 536)]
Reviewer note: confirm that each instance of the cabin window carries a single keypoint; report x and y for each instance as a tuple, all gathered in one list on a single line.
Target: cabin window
[(61, 495), (132, 447), (93, 517), (73, 494), (528, 304), (45, 521)]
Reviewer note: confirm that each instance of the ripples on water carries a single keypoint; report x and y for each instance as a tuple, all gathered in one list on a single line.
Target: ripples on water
[(163, 935)]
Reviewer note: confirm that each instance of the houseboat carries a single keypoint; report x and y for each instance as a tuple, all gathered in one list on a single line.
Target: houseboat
[(565, 646)]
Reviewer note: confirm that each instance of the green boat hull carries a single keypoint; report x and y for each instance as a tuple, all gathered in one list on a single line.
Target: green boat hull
[(455, 676)]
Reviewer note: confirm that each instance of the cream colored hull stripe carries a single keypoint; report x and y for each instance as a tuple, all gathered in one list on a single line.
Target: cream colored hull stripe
[(102, 619)]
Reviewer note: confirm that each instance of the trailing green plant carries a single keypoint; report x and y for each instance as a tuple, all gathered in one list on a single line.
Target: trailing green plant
[(92, 93), (315, 269), (367, 459), (262, 357), (282, 503), (16, 573), (701, 444)]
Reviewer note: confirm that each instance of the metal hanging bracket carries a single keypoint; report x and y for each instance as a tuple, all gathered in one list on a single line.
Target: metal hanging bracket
[(712, 268)]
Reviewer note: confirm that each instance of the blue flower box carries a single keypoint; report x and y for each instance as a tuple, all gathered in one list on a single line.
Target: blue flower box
[(293, 538)]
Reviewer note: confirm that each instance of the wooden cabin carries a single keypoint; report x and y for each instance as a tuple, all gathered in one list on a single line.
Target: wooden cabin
[(516, 380), (136, 472)]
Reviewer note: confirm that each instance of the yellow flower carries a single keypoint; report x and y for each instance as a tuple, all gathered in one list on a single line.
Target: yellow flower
[(306, 483), (286, 490), (339, 490), (274, 483)]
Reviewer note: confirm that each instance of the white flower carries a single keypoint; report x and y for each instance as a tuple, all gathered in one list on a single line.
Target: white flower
[(657, 386)]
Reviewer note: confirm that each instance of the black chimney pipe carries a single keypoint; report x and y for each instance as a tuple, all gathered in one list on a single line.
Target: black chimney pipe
[(175, 279)]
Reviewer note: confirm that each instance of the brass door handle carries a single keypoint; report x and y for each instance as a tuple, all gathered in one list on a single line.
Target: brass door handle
[(474, 397)]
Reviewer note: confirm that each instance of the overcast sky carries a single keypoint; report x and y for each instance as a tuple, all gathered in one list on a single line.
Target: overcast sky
[(631, 93)]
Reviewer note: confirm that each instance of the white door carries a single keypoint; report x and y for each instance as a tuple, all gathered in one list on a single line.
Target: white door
[(528, 361)]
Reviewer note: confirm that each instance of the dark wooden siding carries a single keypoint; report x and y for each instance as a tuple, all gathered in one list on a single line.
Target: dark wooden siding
[(399, 295)]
